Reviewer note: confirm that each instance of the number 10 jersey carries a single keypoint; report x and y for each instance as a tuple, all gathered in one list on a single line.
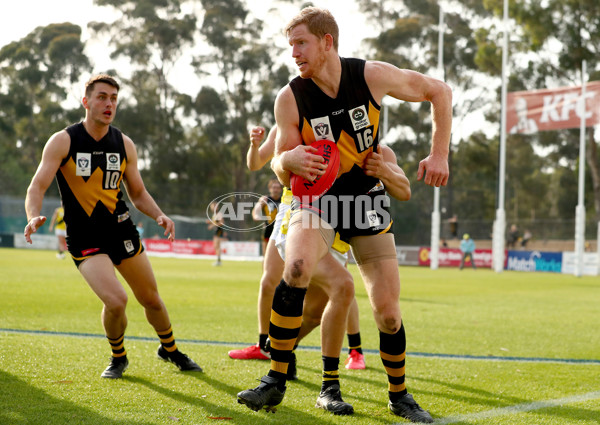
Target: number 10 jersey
[(89, 180)]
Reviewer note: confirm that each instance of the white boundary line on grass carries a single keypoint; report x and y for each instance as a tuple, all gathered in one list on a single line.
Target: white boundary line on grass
[(517, 408)]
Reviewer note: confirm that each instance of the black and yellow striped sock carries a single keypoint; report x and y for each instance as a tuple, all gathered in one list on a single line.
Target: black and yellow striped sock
[(354, 343), (117, 346), (331, 373), (392, 349), (262, 341), (286, 319), (167, 340)]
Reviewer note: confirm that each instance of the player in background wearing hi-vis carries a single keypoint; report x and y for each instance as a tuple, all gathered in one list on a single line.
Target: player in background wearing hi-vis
[(57, 222), (258, 155), (467, 248), (89, 161), (339, 99)]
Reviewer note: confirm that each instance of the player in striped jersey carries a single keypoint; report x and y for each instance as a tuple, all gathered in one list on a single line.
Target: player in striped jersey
[(90, 160), (338, 99)]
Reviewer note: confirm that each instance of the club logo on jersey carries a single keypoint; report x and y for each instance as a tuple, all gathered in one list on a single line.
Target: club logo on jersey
[(128, 246), (113, 161), (322, 128), (83, 161), (359, 117)]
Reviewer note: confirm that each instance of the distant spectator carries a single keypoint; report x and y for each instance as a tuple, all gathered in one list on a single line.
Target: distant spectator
[(526, 238), (513, 236), (467, 247), (453, 222), (140, 229)]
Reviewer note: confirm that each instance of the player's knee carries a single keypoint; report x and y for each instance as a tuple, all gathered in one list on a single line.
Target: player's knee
[(150, 301), (389, 320), (343, 291), (391, 324), (116, 304), (269, 282), (296, 273)]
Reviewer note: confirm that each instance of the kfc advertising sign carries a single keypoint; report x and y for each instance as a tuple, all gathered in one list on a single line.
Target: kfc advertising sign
[(528, 112)]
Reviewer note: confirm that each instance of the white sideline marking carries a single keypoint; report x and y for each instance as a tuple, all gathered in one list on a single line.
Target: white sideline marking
[(518, 408)]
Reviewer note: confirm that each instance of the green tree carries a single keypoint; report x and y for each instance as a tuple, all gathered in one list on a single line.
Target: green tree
[(36, 74), (408, 38), (239, 88), (561, 33), (153, 36)]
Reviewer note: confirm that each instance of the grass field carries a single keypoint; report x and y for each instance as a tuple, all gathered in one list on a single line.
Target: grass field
[(483, 348)]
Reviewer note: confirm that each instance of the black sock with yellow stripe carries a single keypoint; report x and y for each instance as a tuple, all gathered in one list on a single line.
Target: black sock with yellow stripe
[(392, 349), (167, 340), (286, 319), (262, 341), (331, 373), (117, 347), (354, 343)]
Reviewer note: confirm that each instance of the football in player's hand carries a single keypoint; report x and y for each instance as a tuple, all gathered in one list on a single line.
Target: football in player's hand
[(310, 191)]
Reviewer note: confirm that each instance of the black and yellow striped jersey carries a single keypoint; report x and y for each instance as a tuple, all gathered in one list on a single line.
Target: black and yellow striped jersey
[(89, 180), (271, 208), (351, 120)]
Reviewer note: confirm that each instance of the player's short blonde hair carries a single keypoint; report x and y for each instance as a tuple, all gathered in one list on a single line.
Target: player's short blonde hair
[(318, 21)]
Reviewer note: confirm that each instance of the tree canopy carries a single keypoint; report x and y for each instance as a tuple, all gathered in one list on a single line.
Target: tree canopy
[(192, 141)]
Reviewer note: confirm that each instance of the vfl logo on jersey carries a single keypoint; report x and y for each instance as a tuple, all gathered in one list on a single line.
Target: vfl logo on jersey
[(83, 162), (113, 161), (359, 117), (128, 246), (322, 128), (373, 218)]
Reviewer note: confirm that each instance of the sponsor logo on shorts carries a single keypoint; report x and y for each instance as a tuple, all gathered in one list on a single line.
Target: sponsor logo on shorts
[(89, 251), (374, 220), (128, 246), (123, 217)]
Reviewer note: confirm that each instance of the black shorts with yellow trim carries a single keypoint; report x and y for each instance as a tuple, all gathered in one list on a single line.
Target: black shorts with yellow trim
[(119, 241), (352, 214)]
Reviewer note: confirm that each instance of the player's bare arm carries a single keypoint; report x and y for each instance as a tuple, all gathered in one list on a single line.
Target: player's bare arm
[(56, 149), (384, 166), (385, 79), (258, 208), (258, 155), (138, 194), (291, 156)]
